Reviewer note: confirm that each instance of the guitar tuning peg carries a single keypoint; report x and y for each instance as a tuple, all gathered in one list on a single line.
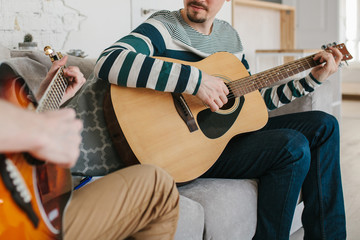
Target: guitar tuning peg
[(341, 64), (325, 46)]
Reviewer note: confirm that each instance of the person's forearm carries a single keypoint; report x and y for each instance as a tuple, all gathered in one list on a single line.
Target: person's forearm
[(18, 133), (54, 136), (139, 70), (282, 94), (129, 62)]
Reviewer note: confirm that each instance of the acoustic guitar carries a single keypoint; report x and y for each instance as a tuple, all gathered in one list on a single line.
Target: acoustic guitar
[(178, 132), (33, 195)]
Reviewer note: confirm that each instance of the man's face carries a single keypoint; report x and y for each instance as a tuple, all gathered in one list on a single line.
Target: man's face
[(199, 11)]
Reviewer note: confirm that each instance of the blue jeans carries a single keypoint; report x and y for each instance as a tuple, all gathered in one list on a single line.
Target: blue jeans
[(292, 152)]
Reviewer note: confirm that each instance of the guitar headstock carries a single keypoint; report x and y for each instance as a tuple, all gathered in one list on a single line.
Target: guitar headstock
[(342, 48), (52, 54)]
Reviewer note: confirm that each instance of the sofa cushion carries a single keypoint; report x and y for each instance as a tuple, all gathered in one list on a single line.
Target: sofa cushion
[(31, 71), (98, 156), (191, 220), (35, 55), (86, 65), (230, 206)]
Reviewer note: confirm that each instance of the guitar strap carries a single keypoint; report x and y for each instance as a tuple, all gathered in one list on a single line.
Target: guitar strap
[(15, 184)]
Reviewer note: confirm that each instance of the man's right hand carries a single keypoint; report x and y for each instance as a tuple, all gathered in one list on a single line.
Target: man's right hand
[(59, 137), (213, 92)]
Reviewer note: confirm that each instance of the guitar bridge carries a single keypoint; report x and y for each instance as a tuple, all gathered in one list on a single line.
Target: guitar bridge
[(184, 111)]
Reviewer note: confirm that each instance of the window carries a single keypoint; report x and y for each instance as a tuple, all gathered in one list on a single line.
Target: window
[(352, 28)]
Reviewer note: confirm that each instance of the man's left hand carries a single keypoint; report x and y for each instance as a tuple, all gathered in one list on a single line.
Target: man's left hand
[(330, 62), (72, 73)]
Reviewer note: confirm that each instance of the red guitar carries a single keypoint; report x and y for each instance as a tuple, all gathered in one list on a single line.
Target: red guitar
[(33, 195)]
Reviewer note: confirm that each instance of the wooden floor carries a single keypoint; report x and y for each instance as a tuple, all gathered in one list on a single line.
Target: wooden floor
[(351, 90), (350, 167), (350, 158)]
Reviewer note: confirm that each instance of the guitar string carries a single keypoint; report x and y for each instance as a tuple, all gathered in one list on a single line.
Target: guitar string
[(254, 82), (257, 81), (55, 93), (281, 72)]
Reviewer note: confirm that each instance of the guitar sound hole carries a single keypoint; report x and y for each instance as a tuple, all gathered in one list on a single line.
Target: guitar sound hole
[(229, 104)]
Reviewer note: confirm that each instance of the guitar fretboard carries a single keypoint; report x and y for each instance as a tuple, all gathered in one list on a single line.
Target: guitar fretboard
[(52, 97), (257, 81)]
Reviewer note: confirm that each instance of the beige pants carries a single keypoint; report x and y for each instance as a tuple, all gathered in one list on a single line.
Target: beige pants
[(140, 202)]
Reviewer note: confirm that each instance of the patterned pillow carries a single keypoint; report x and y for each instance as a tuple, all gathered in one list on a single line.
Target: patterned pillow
[(98, 156)]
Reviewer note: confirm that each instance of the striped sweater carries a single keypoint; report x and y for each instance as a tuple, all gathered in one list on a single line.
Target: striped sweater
[(129, 61)]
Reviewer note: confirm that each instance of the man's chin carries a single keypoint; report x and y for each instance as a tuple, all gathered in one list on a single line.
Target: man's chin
[(196, 19)]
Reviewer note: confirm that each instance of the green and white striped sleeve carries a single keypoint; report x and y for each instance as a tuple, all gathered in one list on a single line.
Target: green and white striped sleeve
[(129, 62), (280, 95)]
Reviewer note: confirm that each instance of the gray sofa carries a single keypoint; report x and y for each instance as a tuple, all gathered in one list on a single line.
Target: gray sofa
[(216, 209)]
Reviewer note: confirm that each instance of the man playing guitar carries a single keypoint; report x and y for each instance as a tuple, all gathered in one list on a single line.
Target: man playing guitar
[(291, 152), (139, 202)]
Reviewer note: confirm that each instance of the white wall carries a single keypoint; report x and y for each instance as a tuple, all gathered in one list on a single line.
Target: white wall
[(77, 24), (138, 6), (49, 21), (104, 22), (64, 24), (258, 28)]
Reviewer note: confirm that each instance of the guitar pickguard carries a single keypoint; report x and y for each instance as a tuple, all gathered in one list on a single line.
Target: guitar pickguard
[(215, 125)]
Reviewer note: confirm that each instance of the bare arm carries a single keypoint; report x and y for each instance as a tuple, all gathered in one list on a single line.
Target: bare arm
[(52, 136)]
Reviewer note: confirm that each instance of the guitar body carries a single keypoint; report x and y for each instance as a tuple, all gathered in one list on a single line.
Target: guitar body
[(156, 134), (49, 186)]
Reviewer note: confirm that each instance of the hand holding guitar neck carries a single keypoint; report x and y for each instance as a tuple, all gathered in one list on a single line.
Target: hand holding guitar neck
[(71, 75), (330, 61)]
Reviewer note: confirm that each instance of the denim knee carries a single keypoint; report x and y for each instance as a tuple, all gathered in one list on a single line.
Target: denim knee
[(325, 127), (320, 118), (299, 150)]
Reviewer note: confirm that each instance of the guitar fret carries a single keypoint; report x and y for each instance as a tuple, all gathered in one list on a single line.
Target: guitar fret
[(56, 90), (254, 82), (52, 97)]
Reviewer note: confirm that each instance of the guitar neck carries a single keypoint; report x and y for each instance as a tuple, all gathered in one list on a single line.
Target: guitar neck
[(257, 81), (52, 97)]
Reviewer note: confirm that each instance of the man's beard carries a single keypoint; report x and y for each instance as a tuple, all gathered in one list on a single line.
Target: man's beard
[(193, 17)]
